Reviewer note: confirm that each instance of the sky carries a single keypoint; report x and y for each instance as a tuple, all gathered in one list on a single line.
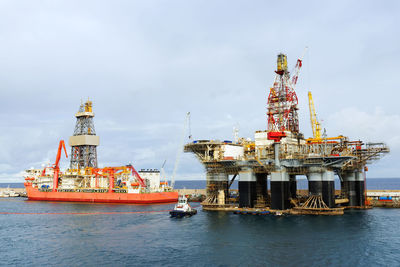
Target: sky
[(145, 64)]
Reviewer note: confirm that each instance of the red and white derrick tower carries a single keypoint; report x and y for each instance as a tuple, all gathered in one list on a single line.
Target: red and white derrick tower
[(282, 101)]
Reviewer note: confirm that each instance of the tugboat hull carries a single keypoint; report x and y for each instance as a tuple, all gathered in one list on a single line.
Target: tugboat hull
[(180, 214)]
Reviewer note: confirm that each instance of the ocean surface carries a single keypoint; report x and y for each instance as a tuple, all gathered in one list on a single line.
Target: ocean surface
[(372, 184), (75, 234)]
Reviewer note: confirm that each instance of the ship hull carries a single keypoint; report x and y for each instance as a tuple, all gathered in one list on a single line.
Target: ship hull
[(143, 198), (180, 214)]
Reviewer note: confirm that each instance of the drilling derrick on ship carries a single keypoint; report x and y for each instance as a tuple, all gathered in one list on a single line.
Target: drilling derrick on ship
[(85, 182), (281, 153), (84, 142)]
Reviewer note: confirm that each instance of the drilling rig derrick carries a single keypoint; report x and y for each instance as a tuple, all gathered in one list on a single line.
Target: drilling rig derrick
[(282, 101), (84, 142)]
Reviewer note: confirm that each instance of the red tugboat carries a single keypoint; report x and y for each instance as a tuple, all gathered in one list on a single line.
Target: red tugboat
[(85, 182)]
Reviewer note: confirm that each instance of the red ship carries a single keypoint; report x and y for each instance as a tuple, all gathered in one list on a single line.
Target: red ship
[(139, 198), (85, 182), (121, 184)]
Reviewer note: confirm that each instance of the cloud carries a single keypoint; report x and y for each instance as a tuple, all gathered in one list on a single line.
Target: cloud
[(146, 63), (374, 125)]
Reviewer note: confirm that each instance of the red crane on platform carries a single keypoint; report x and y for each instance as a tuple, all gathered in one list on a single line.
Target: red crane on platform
[(56, 166), (136, 174), (110, 172)]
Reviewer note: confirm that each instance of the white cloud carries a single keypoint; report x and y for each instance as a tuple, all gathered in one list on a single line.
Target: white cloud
[(146, 63), (12, 177), (373, 125)]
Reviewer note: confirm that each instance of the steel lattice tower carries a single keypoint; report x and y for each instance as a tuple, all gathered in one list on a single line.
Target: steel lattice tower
[(84, 141), (282, 99)]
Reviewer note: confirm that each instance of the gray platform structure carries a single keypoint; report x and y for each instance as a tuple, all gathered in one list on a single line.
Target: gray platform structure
[(282, 153)]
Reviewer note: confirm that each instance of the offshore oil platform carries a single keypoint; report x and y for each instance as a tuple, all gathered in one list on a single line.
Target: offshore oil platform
[(282, 153)]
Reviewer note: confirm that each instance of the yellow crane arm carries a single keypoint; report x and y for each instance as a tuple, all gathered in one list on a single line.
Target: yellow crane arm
[(315, 125)]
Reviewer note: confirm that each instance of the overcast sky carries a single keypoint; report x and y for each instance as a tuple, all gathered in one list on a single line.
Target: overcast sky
[(146, 63)]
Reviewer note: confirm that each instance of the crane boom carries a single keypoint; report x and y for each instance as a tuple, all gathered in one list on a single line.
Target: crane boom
[(297, 68), (315, 125), (136, 174), (58, 157), (56, 167)]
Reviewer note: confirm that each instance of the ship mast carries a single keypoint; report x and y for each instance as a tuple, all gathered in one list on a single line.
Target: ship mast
[(84, 141)]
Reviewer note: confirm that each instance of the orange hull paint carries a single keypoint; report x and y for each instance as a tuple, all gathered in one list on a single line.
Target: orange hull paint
[(144, 198)]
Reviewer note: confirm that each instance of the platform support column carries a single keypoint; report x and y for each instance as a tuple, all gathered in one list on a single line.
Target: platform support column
[(314, 177), (359, 188), (349, 187), (328, 188), (280, 190), (247, 188), (217, 187), (280, 184), (261, 189), (293, 186)]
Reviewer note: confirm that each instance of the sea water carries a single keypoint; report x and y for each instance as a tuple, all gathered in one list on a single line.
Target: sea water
[(76, 234)]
